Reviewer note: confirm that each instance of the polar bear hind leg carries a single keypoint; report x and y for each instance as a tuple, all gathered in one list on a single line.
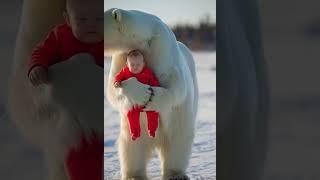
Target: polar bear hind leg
[(175, 149), (133, 155)]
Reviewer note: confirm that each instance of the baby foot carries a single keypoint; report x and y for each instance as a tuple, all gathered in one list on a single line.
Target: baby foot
[(135, 136), (152, 134)]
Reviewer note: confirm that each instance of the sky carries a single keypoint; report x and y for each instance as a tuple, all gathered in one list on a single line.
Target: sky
[(170, 11)]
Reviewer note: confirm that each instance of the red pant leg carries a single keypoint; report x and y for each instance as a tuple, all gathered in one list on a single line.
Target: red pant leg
[(134, 122), (153, 117), (85, 161)]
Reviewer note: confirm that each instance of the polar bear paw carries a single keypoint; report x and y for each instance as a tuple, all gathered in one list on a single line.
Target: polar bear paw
[(134, 178), (136, 91), (178, 177)]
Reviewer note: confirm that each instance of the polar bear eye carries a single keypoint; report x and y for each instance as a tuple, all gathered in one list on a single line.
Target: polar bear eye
[(116, 14)]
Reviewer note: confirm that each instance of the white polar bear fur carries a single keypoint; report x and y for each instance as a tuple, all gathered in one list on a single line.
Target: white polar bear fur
[(176, 100), (52, 116)]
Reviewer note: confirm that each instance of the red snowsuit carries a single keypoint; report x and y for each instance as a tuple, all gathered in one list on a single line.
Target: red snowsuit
[(146, 76), (60, 45), (84, 161)]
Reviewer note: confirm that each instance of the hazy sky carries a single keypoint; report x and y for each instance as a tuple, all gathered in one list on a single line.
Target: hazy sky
[(170, 11)]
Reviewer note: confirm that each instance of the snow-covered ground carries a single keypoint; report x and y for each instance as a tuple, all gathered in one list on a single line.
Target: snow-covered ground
[(202, 163)]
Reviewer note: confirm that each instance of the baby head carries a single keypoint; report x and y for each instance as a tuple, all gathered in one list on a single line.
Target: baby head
[(135, 61), (85, 19)]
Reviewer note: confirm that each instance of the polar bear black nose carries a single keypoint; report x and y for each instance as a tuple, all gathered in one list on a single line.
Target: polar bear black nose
[(116, 14)]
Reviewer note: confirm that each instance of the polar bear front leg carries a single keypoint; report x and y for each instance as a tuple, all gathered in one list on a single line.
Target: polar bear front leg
[(133, 155), (174, 156), (171, 93), (131, 92), (137, 92)]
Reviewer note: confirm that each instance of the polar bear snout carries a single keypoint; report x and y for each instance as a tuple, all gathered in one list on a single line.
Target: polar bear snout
[(117, 15)]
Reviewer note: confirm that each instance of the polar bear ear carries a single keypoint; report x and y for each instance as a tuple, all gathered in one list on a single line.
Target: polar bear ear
[(117, 15)]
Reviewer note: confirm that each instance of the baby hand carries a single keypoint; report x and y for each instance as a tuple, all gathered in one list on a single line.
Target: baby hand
[(38, 75), (117, 84)]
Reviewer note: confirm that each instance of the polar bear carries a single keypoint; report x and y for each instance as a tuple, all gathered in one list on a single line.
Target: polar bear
[(176, 99), (53, 116)]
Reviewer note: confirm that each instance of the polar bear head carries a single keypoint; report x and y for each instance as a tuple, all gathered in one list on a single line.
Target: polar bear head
[(132, 29), (126, 30)]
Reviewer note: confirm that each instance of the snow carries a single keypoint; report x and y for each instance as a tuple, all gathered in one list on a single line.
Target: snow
[(202, 163)]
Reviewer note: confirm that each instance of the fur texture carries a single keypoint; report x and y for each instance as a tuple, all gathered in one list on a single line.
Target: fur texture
[(176, 100)]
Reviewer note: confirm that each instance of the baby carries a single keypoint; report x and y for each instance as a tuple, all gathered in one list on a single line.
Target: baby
[(136, 68), (82, 32)]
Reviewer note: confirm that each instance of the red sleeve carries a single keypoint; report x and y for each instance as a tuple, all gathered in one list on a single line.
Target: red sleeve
[(120, 76), (153, 80), (46, 52)]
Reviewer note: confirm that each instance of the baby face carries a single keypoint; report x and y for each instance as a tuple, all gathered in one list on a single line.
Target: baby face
[(86, 20), (135, 62)]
